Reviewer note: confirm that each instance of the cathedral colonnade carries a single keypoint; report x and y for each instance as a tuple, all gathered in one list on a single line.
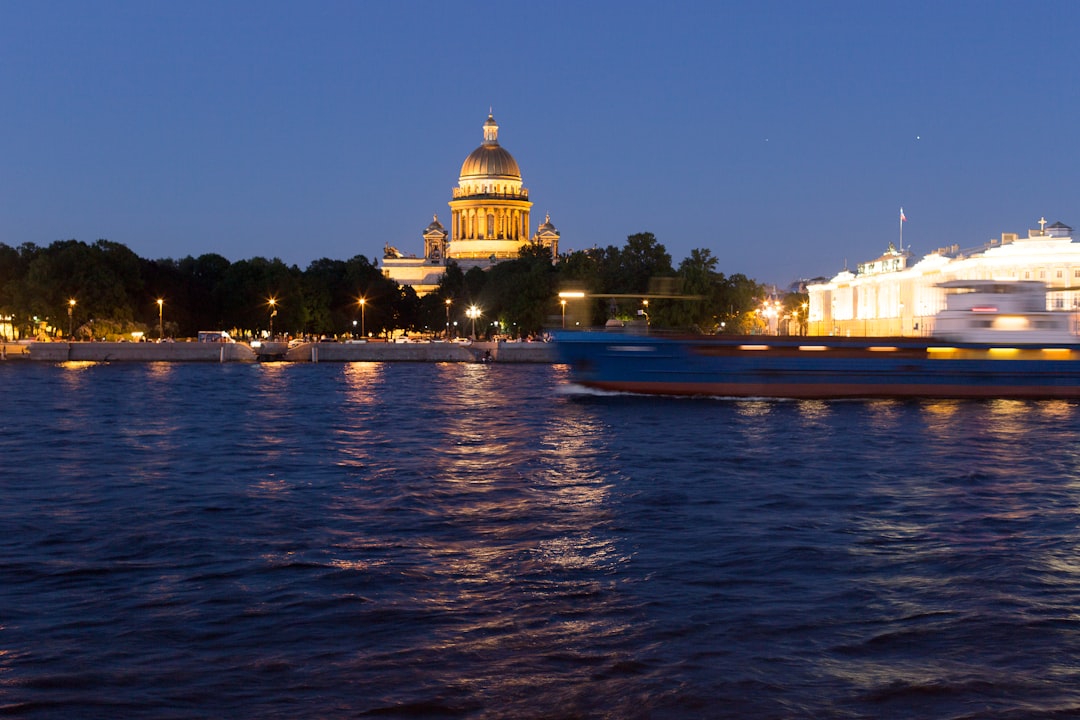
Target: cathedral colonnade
[(489, 223)]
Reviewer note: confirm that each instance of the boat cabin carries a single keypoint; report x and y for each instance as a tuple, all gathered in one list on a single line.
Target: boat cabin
[(999, 311)]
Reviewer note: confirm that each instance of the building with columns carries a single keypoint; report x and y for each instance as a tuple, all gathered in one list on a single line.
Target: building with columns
[(489, 220), (890, 296)]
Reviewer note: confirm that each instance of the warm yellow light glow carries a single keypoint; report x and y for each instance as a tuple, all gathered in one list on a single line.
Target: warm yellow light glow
[(1004, 351), (813, 348), (160, 303), (1057, 351), (71, 302), (1010, 322), (940, 350), (574, 294), (753, 347), (882, 348), (362, 301)]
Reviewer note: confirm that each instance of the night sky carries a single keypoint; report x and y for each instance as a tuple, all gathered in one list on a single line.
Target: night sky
[(782, 136)]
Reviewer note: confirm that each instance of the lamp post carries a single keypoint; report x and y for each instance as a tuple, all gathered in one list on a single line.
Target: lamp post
[(645, 312), (273, 311), (447, 318), (71, 311), (563, 303), (160, 323), (473, 312), (363, 302)]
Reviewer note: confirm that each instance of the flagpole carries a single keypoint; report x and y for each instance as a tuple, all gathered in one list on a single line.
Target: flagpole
[(901, 229)]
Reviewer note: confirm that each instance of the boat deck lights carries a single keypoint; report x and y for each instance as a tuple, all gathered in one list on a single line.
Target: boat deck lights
[(812, 348), (630, 348), (1011, 322), (753, 347), (1057, 351), (941, 350), (984, 309), (1004, 351), (882, 348)]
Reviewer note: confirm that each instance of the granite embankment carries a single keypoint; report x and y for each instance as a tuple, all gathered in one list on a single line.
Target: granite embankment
[(307, 352)]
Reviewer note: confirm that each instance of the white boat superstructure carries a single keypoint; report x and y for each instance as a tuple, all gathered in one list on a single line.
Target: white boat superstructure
[(1002, 313)]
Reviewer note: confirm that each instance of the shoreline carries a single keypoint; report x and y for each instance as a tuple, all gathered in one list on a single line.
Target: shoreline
[(315, 352)]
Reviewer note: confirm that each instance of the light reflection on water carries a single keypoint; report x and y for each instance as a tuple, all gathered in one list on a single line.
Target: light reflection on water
[(460, 540)]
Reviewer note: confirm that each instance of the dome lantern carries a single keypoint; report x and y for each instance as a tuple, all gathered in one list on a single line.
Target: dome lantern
[(490, 161)]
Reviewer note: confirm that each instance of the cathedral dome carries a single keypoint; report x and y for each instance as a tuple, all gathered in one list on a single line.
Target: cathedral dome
[(490, 160)]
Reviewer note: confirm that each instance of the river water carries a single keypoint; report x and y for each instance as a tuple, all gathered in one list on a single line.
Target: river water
[(476, 541)]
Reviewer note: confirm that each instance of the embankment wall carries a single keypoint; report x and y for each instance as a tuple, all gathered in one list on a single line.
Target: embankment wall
[(310, 352)]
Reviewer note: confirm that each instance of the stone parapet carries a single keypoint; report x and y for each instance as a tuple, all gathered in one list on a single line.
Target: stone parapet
[(500, 352), (139, 352)]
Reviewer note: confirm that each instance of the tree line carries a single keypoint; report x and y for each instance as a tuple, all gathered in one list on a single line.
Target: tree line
[(110, 292)]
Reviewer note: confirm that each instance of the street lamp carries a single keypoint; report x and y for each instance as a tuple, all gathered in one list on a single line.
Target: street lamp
[(447, 318), (473, 312), (563, 303), (273, 311), (71, 310), (362, 302), (645, 312), (160, 324)]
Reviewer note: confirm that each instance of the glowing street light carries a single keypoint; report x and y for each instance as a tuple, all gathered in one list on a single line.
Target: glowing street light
[(563, 303), (273, 311), (447, 318), (362, 301), (645, 312), (71, 311), (160, 324), (472, 313)]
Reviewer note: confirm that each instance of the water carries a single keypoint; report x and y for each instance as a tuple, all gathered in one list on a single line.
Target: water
[(469, 541)]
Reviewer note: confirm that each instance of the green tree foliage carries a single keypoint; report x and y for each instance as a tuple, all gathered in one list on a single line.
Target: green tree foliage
[(116, 289), (12, 269), (104, 279), (520, 293), (452, 283), (628, 270), (699, 280), (246, 290), (737, 303), (638, 262)]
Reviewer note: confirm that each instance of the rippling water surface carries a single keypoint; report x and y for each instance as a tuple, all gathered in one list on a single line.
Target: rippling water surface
[(452, 540)]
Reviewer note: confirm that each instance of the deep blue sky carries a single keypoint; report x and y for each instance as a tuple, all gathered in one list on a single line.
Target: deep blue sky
[(782, 136)]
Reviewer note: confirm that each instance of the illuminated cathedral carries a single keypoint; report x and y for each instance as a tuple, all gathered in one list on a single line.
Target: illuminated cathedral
[(489, 220)]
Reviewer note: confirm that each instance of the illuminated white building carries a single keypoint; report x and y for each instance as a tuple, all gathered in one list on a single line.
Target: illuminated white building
[(888, 296), (489, 220)]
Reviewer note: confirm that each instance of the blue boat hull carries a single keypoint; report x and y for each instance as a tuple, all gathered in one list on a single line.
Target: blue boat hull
[(813, 367)]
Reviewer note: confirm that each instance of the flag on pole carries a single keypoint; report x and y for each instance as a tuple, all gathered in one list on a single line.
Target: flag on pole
[(903, 217)]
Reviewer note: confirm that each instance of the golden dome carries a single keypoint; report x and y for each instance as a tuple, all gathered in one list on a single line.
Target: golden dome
[(490, 160)]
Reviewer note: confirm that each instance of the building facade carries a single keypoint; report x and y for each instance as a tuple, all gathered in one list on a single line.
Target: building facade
[(489, 220), (890, 296)]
